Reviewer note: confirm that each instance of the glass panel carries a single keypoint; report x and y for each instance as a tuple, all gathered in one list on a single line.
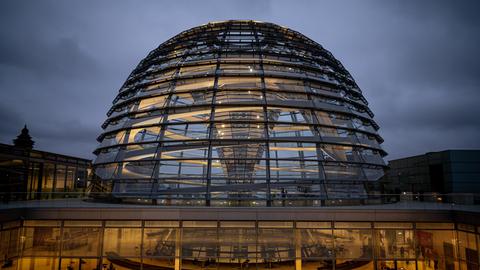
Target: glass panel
[(78, 263), (282, 96), (237, 224), (186, 132), (394, 265), (197, 115), (286, 130), (122, 241), (154, 223), (183, 168), (184, 150), (353, 244), (239, 83), (153, 103), (135, 170), (82, 223), (38, 263), (238, 131), (197, 69), (139, 135), (85, 241), (41, 241), (467, 246), (193, 84), (289, 115), (199, 224), (447, 226), (395, 244), (239, 68), (251, 114), (314, 224), (388, 225), (436, 249), (316, 264), (284, 84), (316, 243), (353, 225), (276, 247), (275, 224), (223, 97), (123, 223), (293, 150), (287, 169), (191, 98), (238, 150), (340, 153), (159, 242)]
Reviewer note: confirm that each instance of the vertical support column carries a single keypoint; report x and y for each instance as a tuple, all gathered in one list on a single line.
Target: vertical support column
[(298, 248), (178, 242)]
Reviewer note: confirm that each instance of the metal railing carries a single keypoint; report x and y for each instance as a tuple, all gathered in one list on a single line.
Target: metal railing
[(192, 200)]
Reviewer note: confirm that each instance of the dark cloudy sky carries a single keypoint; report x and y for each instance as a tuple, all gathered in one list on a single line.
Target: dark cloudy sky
[(417, 62)]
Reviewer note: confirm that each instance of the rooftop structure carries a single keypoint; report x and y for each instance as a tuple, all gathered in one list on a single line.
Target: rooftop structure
[(239, 113)]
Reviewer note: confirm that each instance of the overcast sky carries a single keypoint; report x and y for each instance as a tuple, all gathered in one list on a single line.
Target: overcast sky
[(417, 62)]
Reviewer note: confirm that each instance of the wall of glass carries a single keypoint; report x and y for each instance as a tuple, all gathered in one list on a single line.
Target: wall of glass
[(273, 119), (41, 244)]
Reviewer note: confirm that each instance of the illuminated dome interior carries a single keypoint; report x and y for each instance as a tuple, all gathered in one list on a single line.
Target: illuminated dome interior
[(239, 113)]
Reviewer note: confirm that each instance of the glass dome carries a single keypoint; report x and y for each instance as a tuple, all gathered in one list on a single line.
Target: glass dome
[(238, 113)]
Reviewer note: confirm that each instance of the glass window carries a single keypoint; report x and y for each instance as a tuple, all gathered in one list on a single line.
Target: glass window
[(289, 115), (196, 115), (223, 97), (293, 150), (293, 169), (38, 263), (82, 240), (139, 135), (153, 103), (113, 139), (197, 69), (436, 249), (284, 84), (276, 246), (191, 98), (183, 168), (251, 114), (159, 242), (353, 243), (288, 130), (316, 243), (184, 150), (186, 132), (395, 244), (239, 83), (135, 170), (193, 84), (239, 68), (238, 131), (41, 241), (282, 96), (122, 241)]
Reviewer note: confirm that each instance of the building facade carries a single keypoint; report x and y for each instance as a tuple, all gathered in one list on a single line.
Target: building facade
[(230, 147), (454, 172), (29, 174)]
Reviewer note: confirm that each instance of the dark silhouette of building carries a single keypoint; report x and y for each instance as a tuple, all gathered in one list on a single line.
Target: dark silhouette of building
[(445, 172), (27, 173)]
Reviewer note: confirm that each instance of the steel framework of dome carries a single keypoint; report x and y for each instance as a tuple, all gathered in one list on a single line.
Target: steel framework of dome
[(239, 113)]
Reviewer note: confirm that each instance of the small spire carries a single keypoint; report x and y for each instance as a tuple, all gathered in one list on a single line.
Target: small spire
[(24, 140)]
